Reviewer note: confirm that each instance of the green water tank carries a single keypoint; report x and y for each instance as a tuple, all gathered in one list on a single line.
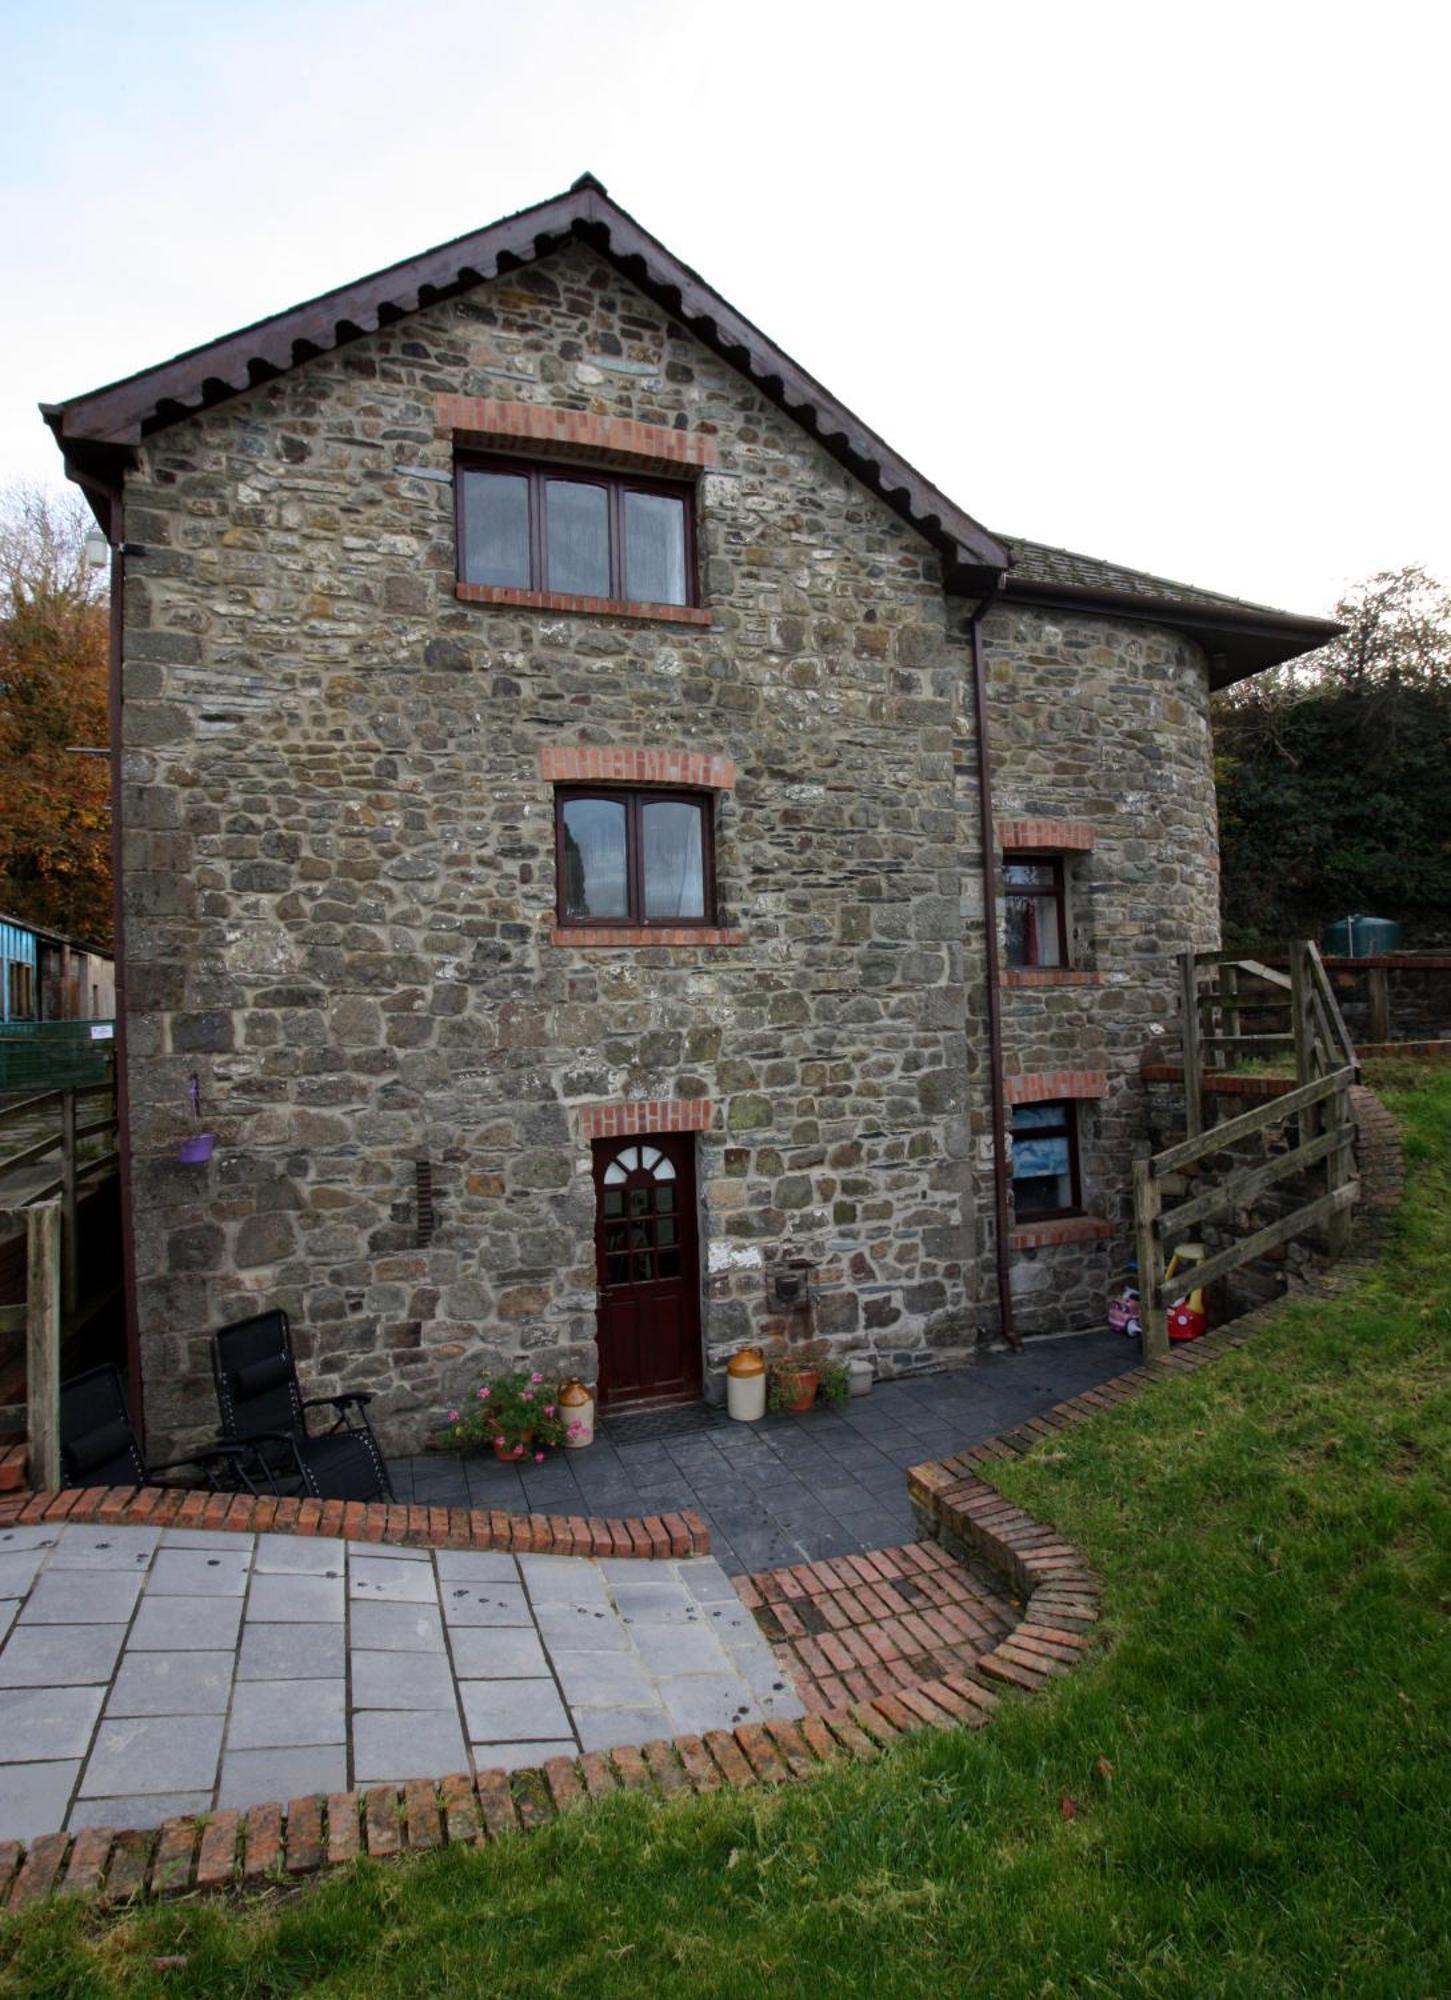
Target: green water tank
[(1362, 937)]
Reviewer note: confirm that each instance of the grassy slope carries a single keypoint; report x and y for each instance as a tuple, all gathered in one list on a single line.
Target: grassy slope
[(1270, 1817)]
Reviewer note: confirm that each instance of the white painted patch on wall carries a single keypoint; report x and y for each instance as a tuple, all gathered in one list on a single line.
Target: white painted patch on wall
[(734, 1257)]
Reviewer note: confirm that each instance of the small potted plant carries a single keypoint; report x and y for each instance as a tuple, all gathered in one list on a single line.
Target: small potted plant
[(835, 1385), (793, 1387), (517, 1417)]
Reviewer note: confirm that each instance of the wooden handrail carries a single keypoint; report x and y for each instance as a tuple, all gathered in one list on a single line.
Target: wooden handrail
[(1221, 1137)]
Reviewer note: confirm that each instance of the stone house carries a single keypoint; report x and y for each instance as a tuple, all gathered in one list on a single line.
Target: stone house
[(564, 763)]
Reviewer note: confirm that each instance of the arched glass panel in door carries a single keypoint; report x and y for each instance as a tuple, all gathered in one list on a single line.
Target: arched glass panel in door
[(639, 1197)]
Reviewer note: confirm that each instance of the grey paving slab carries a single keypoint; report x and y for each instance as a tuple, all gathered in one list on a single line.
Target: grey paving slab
[(19, 1570), (706, 1701), (203, 1538), (496, 1652), (301, 1600), (603, 1680), (466, 1603), (257, 1777), (172, 1684), (390, 1744), (47, 1722), (172, 1753), (608, 1728), (578, 1629), (396, 1628), (60, 1655), (656, 1604), (291, 1652), (520, 1756), (34, 1797), (171, 1624), (496, 1711), (199, 1573), (369, 1550), (297, 1555), (410, 1680), (138, 1809), (82, 1597), (272, 1715), (379, 1580), (680, 1649), (562, 1580), (104, 1548), (36, 1536), (476, 1566), (8, 1608)]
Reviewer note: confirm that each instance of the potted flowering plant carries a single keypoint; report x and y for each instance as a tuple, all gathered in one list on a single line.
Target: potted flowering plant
[(517, 1416), (792, 1388)]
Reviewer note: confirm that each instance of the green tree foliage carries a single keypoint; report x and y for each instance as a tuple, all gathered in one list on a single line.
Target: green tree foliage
[(55, 819), (1334, 773)]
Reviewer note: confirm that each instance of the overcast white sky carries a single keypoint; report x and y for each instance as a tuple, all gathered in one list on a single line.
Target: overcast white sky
[(1160, 283)]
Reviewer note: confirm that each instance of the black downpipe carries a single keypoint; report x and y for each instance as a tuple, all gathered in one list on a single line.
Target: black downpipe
[(988, 832)]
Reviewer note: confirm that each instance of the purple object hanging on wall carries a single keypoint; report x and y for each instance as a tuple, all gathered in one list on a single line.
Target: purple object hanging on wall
[(196, 1150)]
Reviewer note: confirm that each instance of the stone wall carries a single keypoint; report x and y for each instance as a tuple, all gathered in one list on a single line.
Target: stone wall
[(1105, 726), (340, 879)]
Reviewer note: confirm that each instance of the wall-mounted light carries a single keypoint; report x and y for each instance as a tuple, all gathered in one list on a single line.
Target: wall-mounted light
[(97, 550)]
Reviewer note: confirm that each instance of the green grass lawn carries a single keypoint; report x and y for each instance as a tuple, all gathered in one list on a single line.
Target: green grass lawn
[(1259, 1760)]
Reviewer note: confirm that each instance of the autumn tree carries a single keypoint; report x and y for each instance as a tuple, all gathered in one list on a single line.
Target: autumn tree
[(55, 819), (1334, 774)]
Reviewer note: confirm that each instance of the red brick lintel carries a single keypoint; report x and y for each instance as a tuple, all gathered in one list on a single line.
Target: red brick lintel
[(1045, 836), (1067, 1229), (630, 764), (1049, 1085), (485, 420), (1049, 975), (622, 1121), (617, 937), (599, 607)]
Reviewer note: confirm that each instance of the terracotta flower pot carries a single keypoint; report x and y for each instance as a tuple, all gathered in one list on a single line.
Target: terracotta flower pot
[(511, 1454), (798, 1386)]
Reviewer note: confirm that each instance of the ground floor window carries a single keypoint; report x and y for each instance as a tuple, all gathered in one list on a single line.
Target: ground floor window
[(1045, 1161)]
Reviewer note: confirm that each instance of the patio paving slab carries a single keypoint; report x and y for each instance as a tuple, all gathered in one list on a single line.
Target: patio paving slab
[(787, 1489), (216, 1673)]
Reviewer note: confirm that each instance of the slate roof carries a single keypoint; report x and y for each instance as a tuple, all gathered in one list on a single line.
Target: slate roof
[(98, 431)]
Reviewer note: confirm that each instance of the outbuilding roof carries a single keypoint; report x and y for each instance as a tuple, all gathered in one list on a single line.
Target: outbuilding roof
[(98, 431)]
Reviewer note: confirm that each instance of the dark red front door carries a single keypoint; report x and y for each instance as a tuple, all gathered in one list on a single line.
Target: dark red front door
[(649, 1280)]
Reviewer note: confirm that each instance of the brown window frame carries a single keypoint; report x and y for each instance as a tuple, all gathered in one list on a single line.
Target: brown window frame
[(633, 798), (616, 485), (1066, 1128), (1016, 857)]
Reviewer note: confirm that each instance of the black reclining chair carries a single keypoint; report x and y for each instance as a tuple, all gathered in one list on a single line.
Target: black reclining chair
[(263, 1406), (99, 1447)]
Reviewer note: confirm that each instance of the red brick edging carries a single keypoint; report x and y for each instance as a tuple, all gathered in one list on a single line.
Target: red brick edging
[(960, 1509)]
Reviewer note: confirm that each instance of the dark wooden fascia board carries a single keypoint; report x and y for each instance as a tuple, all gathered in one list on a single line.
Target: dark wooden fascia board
[(120, 414)]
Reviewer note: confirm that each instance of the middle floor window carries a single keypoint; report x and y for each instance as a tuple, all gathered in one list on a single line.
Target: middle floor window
[(1045, 1161), (1037, 917), (634, 857), (580, 532)]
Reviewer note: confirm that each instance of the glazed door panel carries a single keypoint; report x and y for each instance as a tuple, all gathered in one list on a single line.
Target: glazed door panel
[(648, 1269)]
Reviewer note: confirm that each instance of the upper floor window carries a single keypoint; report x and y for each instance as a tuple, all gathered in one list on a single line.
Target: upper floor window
[(1045, 1161), (1037, 918), (633, 858), (572, 530)]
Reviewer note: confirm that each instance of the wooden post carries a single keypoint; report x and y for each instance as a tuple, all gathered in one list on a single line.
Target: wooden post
[(69, 1250), (1340, 1169), (1302, 1021), (1153, 1317), (42, 1343), (1229, 987), (1193, 1051), (1380, 1003)]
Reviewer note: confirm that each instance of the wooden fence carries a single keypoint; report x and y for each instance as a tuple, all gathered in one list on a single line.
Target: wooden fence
[(1215, 1033), (39, 1318), (25, 1172)]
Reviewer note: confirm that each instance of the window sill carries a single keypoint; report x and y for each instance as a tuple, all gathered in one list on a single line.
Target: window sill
[(595, 607), (616, 937), (1049, 975), (1064, 1229)]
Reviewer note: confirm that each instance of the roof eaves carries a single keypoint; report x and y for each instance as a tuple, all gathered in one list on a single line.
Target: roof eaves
[(113, 419)]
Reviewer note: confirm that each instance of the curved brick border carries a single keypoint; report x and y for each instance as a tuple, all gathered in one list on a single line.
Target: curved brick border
[(657, 1535), (271, 1844)]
